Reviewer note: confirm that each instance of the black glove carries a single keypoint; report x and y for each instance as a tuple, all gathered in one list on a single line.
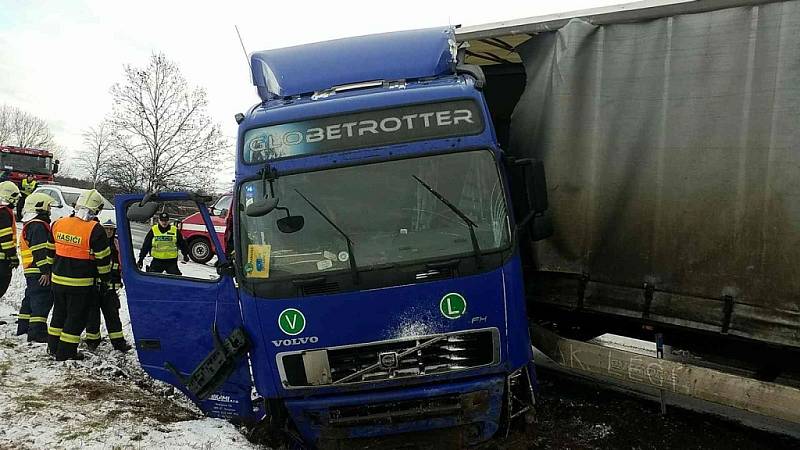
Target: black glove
[(140, 263), (185, 258)]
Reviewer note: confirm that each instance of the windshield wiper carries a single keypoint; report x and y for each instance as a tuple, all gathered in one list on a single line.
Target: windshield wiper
[(352, 258), (460, 214)]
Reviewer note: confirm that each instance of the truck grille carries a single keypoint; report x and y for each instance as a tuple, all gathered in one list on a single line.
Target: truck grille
[(387, 360)]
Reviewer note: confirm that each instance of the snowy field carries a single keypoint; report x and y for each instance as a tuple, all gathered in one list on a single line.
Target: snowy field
[(104, 401)]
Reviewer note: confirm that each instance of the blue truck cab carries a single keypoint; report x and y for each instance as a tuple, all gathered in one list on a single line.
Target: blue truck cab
[(375, 287)]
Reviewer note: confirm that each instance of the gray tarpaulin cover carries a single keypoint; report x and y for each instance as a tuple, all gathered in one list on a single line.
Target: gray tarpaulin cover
[(672, 150)]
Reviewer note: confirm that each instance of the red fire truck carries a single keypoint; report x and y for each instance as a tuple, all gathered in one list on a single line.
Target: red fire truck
[(17, 162)]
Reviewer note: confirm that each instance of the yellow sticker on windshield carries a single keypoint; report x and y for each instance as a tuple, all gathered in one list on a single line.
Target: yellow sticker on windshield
[(257, 261)]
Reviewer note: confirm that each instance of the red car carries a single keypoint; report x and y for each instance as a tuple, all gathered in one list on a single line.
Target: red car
[(194, 230)]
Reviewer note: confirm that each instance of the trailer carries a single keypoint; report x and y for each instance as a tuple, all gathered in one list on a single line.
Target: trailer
[(669, 134)]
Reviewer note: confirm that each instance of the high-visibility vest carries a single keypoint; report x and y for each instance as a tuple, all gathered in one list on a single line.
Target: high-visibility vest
[(28, 188), (27, 252), (12, 230), (71, 236), (165, 245)]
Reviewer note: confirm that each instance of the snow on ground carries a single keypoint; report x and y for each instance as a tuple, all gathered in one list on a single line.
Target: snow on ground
[(104, 401)]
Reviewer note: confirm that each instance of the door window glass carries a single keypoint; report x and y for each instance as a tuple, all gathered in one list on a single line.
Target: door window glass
[(178, 246)]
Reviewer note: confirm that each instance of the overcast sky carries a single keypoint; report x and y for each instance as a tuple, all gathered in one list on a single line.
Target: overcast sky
[(58, 59)]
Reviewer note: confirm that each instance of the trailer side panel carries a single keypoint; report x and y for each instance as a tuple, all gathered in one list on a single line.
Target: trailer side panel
[(671, 149)]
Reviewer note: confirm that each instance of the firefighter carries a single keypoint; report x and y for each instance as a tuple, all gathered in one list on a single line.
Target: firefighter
[(9, 194), (36, 249), (163, 242), (82, 255), (28, 185), (109, 302)]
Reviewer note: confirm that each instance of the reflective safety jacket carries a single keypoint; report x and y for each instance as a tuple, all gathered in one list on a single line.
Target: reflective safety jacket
[(165, 243), (28, 188), (82, 253), (36, 247), (166, 246), (8, 235)]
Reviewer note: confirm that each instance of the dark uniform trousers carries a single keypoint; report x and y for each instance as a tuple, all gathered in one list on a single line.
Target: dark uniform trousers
[(109, 305), (39, 301), (24, 316), (169, 266), (5, 277), (5, 280), (71, 307)]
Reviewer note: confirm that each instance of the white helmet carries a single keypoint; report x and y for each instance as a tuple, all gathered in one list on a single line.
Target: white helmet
[(35, 204), (9, 192), (91, 200)]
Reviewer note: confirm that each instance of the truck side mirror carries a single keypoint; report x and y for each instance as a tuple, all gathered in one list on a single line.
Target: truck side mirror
[(537, 188), (535, 199), (140, 213), (261, 207), (55, 166), (291, 224)]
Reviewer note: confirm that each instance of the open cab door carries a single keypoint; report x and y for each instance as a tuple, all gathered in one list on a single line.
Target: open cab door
[(186, 319)]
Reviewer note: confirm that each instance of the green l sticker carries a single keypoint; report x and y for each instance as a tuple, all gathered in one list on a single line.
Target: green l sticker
[(453, 305), (291, 321)]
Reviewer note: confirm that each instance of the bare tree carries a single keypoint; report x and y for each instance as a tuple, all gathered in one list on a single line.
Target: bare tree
[(98, 153), (6, 130), (23, 129), (126, 177), (162, 130)]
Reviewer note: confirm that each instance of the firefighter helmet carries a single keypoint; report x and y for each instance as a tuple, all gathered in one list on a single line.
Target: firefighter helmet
[(91, 200), (9, 192), (37, 202)]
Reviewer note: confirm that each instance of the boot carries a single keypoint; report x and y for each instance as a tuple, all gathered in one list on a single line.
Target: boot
[(52, 344), (77, 356), (37, 338), (120, 345), (37, 332), (67, 350), (92, 344)]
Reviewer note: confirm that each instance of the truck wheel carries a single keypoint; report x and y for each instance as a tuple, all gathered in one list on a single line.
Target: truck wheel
[(200, 250)]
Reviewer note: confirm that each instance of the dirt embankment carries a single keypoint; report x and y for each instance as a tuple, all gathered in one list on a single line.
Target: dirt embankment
[(574, 415)]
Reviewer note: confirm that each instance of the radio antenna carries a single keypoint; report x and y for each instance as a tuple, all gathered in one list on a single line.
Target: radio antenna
[(246, 58)]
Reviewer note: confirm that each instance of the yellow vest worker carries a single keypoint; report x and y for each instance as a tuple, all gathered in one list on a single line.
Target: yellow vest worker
[(28, 186), (82, 255), (163, 242)]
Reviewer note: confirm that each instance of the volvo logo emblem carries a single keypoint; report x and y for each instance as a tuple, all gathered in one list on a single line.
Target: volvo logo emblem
[(388, 360)]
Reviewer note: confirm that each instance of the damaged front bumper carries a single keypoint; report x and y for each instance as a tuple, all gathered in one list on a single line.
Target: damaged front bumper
[(473, 408)]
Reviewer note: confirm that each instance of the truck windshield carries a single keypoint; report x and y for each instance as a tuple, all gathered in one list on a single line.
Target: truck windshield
[(390, 218), (26, 163)]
